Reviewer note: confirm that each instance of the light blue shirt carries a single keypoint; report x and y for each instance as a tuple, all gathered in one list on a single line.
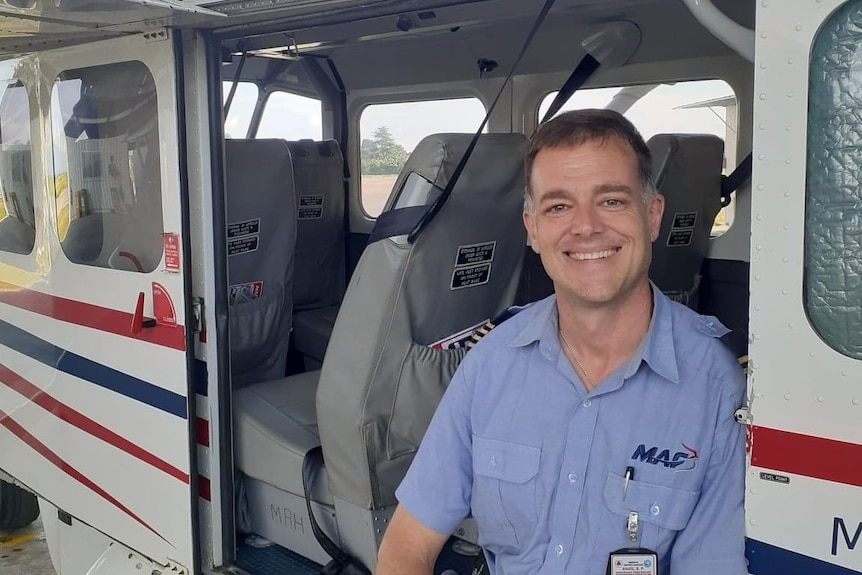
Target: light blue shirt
[(519, 444)]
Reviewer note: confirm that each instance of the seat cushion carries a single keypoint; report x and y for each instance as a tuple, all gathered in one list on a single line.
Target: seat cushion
[(275, 426), (312, 329)]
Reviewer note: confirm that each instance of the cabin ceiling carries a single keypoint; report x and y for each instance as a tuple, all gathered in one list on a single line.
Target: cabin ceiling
[(408, 41), (443, 44)]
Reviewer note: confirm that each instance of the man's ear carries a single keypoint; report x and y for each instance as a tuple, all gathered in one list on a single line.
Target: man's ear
[(530, 224), (655, 210)]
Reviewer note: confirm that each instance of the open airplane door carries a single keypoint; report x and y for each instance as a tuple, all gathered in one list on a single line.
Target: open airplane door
[(804, 497), (95, 320)]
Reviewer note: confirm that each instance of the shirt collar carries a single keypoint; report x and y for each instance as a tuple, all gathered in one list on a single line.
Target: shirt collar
[(657, 348)]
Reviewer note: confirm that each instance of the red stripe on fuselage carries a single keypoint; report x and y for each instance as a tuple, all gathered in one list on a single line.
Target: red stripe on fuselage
[(58, 462), (816, 457), (14, 381), (92, 316)]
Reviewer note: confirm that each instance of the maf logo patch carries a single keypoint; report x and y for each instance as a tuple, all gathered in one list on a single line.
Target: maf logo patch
[(680, 461)]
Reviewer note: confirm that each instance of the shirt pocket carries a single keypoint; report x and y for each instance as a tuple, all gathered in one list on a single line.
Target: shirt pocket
[(504, 491), (662, 512)]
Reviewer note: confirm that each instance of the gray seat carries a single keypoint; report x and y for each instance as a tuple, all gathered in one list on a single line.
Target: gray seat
[(319, 268), (687, 171), (381, 381), (275, 425), (261, 235)]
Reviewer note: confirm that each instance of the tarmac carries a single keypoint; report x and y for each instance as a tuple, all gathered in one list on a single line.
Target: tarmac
[(25, 552)]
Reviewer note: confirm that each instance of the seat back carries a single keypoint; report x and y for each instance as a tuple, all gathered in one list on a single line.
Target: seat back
[(687, 172), (381, 380), (261, 237), (318, 173)]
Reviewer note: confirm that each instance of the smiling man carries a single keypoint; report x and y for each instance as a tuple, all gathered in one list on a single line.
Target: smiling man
[(594, 431)]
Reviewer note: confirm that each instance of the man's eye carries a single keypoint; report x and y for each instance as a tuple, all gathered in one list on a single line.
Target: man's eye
[(613, 202), (556, 209)]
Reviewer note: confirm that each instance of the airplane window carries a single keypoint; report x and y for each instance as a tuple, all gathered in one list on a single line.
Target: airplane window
[(291, 117), (833, 211), (241, 108), (17, 216), (389, 133), (694, 107), (107, 180)]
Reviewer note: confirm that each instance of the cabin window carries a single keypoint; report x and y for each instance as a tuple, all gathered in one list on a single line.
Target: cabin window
[(832, 287), (17, 215), (390, 132), (241, 108), (291, 117), (694, 107), (106, 168)]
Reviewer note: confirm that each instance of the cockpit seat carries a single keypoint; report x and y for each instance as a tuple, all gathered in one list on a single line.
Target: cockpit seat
[(261, 237), (687, 172), (319, 269)]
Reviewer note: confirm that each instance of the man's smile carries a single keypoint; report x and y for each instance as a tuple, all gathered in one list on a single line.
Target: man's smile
[(592, 255)]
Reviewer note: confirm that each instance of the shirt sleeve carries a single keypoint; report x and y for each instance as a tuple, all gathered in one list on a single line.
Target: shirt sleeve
[(438, 486), (714, 539)]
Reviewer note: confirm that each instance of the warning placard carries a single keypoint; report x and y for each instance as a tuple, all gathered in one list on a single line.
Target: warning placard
[(475, 254), (471, 276), (172, 253), (310, 208), (309, 213), (242, 245), (246, 228), (684, 220), (307, 201), (679, 238)]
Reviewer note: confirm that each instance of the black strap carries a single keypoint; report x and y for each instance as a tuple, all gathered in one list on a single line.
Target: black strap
[(398, 222), (731, 183), (579, 76), (235, 83), (438, 204), (341, 563)]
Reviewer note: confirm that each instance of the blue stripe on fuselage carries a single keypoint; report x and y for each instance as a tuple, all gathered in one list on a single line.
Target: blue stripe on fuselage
[(63, 360), (765, 559)]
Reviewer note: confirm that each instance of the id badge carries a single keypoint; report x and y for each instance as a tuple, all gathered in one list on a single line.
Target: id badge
[(637, 561)]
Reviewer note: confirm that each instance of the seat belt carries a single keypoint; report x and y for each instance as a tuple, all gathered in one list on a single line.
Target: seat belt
[(399, 222), (342, 563), (579, 76), (731, 183)]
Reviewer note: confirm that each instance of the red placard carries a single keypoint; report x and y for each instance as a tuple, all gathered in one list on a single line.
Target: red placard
[(172, 253), (163, 307)]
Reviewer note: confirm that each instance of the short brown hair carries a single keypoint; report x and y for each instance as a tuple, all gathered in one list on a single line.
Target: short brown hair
[(580, 126)]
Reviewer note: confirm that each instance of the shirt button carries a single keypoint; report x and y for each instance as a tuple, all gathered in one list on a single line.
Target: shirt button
[(573, 478), (587, 403), (558, 549), (655, 509)]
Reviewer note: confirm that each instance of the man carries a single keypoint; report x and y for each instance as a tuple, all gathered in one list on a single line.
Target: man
[(600, 402)]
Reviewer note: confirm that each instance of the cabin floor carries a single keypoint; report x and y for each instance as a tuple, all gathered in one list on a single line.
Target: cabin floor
[(25, 552)]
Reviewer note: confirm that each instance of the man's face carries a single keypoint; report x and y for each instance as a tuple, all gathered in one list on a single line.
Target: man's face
[(590, 224)]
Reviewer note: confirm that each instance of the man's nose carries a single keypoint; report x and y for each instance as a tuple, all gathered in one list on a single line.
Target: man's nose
[(585, 220)]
